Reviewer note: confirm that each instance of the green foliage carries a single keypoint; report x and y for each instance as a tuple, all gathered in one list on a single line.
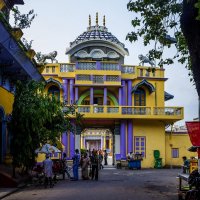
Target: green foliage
[(158, 22), (36, 119), (23, 21)]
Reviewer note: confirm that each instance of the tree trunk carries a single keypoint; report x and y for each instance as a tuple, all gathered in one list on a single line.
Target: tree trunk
[(191, 30)]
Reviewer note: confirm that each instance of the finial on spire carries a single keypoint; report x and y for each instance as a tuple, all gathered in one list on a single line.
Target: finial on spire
[(89, 21), (104, 20), (97, 19)]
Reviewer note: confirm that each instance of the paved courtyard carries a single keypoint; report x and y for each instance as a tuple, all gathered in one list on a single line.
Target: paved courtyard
[(113, 184)]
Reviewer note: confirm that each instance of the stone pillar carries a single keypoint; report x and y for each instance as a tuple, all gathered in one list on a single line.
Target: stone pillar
[(65, 90), (91, 96), (129, 93), (71, 91), (130, 136), (123, 139), (105, 96)]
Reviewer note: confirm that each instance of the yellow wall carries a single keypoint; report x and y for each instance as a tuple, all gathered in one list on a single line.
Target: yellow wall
[(6, 100), (155, 140), (180, 141)]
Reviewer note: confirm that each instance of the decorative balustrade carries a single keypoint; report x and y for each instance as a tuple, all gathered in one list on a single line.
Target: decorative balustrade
[(110, 66), (112, 78), (128, 69), (129, 110), (136, 110), (81, 77), (86, 66), (98, 79), (67, 67), (167, 111)]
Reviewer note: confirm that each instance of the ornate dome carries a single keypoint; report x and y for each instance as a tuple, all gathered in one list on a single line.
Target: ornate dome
[(97, 35)]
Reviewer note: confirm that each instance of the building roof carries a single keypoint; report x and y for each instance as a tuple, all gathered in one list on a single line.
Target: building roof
[(97, 34)]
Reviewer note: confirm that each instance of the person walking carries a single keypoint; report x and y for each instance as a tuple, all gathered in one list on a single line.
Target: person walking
[(105, 158), (48, 171), (65, 166), (76, 161), (95, 165), (84, 166)]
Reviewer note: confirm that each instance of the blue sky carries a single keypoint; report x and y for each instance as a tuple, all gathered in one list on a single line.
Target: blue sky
[(59, 22)]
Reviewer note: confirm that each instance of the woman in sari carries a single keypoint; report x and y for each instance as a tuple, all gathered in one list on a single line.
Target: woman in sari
[(84, 165)]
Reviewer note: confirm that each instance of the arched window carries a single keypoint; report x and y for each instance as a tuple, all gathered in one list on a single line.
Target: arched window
[(139, 97), (54, 91)]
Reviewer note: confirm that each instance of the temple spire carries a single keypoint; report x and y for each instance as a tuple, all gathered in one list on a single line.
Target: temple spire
[(97, 19), (104, 20), (89, 21)]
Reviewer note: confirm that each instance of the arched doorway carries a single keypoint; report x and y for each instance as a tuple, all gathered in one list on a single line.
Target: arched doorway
[(54, 91)]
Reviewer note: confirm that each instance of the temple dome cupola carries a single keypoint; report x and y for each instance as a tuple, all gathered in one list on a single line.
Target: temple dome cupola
[(97, 44)]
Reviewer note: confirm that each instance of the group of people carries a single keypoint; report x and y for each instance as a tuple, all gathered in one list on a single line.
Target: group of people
[(90, 162)]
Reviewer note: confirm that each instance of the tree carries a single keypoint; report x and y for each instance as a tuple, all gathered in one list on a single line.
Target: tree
[(167, 23), (36, 119)]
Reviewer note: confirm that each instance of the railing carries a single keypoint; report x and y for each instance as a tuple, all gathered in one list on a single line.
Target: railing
[(128, 69), (167, 111), (109, 66), (136, 110), (67, 67), (86, 66), (131, 110)]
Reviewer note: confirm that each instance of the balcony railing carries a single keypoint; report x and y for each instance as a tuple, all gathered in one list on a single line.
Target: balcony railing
[(67, 67), (131, 110)]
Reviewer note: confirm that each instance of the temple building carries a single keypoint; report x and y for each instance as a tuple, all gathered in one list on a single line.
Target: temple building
[(123, 105)]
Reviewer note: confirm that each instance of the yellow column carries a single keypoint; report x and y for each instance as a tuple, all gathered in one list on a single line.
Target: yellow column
[(104, 142), (81, 141)]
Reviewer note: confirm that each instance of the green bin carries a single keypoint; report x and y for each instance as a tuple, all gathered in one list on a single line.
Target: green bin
[(158, 163)]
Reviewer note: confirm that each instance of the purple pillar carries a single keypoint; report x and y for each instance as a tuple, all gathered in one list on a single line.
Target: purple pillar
[(123, 139), (129, 93), (71, 91), (64, 141), (72, 144), (76, 94), (91, 96), (120, 96), (65, 90), (130, 136), (98, 65), (105, 96), (124, 93)]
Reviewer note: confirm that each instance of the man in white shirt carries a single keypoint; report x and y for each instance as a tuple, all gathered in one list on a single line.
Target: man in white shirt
[(48, 172)]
